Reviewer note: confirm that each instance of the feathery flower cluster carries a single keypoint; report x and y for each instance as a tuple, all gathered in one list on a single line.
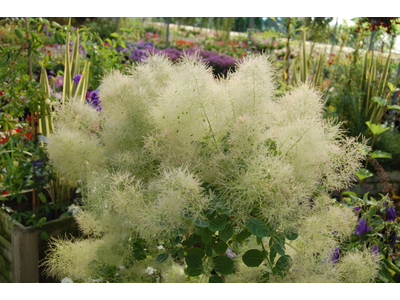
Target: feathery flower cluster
[(172, 143)]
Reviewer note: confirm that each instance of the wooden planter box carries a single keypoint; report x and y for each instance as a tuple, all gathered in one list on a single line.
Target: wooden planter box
[(21, 248)]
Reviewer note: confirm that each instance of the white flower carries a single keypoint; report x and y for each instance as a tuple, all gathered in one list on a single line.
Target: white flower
[(119, 267), (74, 209), (150, 270), (66, 280), (161, 247)]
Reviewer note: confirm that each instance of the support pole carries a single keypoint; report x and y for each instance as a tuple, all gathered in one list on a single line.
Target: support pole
[(25, 255)]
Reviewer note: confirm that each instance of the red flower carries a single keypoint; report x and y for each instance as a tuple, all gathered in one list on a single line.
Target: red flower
[(106, 44), (4, 192), (244, 54), (2, 92)]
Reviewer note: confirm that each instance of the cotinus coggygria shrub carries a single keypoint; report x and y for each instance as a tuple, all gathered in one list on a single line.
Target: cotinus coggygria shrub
[(185, 178)]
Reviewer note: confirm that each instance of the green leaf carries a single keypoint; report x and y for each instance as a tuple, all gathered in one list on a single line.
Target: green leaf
[(55, 24), (223, 265), (18, 33), (376, 128), (177, 232), (380, 154), (241, 236), (181, 253), (291, 233), (391, 87), (138, 252), (206, 236), (279, 249), (42, 197), (284, 263), (253, 258), (372, 211), (396, 107), (220, 247), (44, 235), (391, 266), (272, 255), (215, 279), (226, 233), (349, 193), (363, 173), (384, 273), (380, 101), (114, 34), (208, 249), (162, 257), (216, 224), (195, 265), (198, 251), (201, 223), (257, 227)]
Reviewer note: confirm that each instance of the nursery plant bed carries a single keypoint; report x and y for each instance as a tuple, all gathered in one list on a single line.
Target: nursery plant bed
[(21, 248)]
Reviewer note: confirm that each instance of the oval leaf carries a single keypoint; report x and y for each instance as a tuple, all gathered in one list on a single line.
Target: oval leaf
[(215, 279), (223, 265), (380, 154), (291, 233), (241, 236), (195, 265), (253, 258), (216, 224), (363, 173), (226, 233), (397, 107), (279, 249), (161, 257), (206, 236), (220, 247), (201, 223), (257, 227), (284, 263)]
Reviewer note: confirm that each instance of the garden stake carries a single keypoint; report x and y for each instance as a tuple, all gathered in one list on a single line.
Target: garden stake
[(33, 124)]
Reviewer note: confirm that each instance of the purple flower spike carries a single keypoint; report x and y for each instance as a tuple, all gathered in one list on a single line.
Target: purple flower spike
[(357, 208), (335, 254), (391, 214), (77, 78), (362, 227)]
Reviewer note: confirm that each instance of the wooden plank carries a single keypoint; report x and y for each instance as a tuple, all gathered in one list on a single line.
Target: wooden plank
[(5, 248), (5, 270), (4, 279), (59, 227), (25, 255), (6, 225)]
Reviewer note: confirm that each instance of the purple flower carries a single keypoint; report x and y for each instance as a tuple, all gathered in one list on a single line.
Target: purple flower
[(384, 203), (362, 227), (93, 99), (230, 253), (391, 214), (77, 78), (51, 74), (357, 209), (335, 254), (375, 249)]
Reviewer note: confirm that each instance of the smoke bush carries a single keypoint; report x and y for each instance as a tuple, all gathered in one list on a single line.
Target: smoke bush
[(184, 168)]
